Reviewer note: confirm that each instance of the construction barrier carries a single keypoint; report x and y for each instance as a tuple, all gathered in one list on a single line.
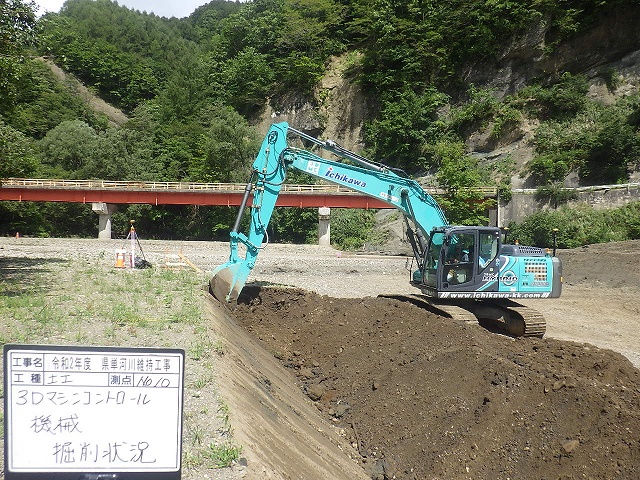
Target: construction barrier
[(120, 254)]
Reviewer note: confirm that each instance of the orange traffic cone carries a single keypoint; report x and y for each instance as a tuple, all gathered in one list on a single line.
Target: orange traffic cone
[(120, 258)]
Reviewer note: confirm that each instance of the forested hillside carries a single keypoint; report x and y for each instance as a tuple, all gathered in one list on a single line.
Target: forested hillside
[(443, 88)]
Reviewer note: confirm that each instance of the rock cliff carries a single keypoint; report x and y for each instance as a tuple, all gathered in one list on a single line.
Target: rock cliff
[(609, 48)]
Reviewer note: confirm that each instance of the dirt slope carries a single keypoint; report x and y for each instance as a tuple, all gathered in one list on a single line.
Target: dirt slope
[(282, 437), (423, 397)]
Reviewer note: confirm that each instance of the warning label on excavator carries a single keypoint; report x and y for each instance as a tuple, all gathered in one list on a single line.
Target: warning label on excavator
[(92, 409)]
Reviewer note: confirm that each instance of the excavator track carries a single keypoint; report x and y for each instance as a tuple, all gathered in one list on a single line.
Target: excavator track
[(503, 316), (528, 321)]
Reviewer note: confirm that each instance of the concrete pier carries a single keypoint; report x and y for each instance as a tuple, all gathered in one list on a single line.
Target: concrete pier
[(104, 211), (324, 226)]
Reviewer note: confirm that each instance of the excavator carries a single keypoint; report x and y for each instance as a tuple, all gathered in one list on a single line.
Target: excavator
[(463, 272)]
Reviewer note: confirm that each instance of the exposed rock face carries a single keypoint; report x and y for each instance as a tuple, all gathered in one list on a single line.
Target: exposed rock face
[(345, 107), (336, 112), (339, 108), (611, 43)]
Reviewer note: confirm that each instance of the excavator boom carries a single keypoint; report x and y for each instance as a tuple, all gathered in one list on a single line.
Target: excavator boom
[(268, 174)]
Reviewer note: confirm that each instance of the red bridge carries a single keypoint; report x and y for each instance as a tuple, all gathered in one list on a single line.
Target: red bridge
[(176, 193), (104, 195)]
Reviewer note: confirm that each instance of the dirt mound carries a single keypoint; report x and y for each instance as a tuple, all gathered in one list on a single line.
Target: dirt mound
[(422, 396)]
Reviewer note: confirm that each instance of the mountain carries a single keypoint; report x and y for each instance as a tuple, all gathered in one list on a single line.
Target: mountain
[(510, 94)]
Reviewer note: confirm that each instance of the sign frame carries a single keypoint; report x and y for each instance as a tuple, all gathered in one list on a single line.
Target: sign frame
[(99, 381)]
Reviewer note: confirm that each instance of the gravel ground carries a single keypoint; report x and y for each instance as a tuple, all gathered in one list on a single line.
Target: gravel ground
[(598, 305)]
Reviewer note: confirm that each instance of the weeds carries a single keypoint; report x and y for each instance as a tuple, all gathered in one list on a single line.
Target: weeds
[(223, 414), (202, 382), (90, 303), (199, 349), (219, 348), (224, 455)]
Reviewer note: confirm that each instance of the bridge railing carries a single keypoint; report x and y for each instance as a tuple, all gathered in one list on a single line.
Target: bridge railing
[(176, 186), (192, 186)]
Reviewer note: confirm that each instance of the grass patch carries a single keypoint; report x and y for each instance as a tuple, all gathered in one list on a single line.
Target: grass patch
[(88, 302), (223, 455)]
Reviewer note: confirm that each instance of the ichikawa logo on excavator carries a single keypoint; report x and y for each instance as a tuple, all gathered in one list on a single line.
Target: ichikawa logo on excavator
[(508, 278), (344, 178)]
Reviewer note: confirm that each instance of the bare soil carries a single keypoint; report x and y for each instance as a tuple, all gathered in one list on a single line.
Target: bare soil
[(420, 396), (326, 379)]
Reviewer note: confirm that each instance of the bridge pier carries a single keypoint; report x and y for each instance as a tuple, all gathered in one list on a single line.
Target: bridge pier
[(104, 211), (324, 226)]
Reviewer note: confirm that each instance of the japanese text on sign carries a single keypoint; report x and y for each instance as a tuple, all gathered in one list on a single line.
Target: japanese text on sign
[(93, 409)]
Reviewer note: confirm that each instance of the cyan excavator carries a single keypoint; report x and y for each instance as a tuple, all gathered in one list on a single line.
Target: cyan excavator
[(465, 272)]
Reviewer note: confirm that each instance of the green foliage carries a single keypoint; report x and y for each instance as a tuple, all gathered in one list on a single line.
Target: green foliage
[(578, 226), (456, 173), (295, 225), (66, 148), (555, 194), (17, 158), (228, 147), (554, 167), (272, 47), (353, 229), (400, 134), (416, 43), (124, 54), (246, 79), (481, 106), (48, 219), (17, 32), (564, 99), (600, 143), (185, 92), (222, 456), (42, 102), (612, 78)]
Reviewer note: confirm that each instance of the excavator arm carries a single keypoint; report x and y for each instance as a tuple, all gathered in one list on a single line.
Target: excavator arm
[(465, 272), (269, 172)]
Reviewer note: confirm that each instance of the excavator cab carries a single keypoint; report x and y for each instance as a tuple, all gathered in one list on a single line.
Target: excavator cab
[(457, 258), (472, 263)]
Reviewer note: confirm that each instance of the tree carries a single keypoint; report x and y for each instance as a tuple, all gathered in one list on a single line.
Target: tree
[(67, 147), (17, 31), (400, 134), (248, 78), (17, 158), (227, 148), (457, 173)]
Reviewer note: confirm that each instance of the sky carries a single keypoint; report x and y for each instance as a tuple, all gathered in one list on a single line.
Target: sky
[(162, 8)]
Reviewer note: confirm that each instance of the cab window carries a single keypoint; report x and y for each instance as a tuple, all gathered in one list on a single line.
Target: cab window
[(488, 249), (432, 257), (458, 259)]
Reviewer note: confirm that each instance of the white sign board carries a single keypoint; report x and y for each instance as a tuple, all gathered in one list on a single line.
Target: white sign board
[(92, 409)]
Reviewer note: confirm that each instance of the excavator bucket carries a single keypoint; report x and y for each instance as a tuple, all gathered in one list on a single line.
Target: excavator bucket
[(228, 281)]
